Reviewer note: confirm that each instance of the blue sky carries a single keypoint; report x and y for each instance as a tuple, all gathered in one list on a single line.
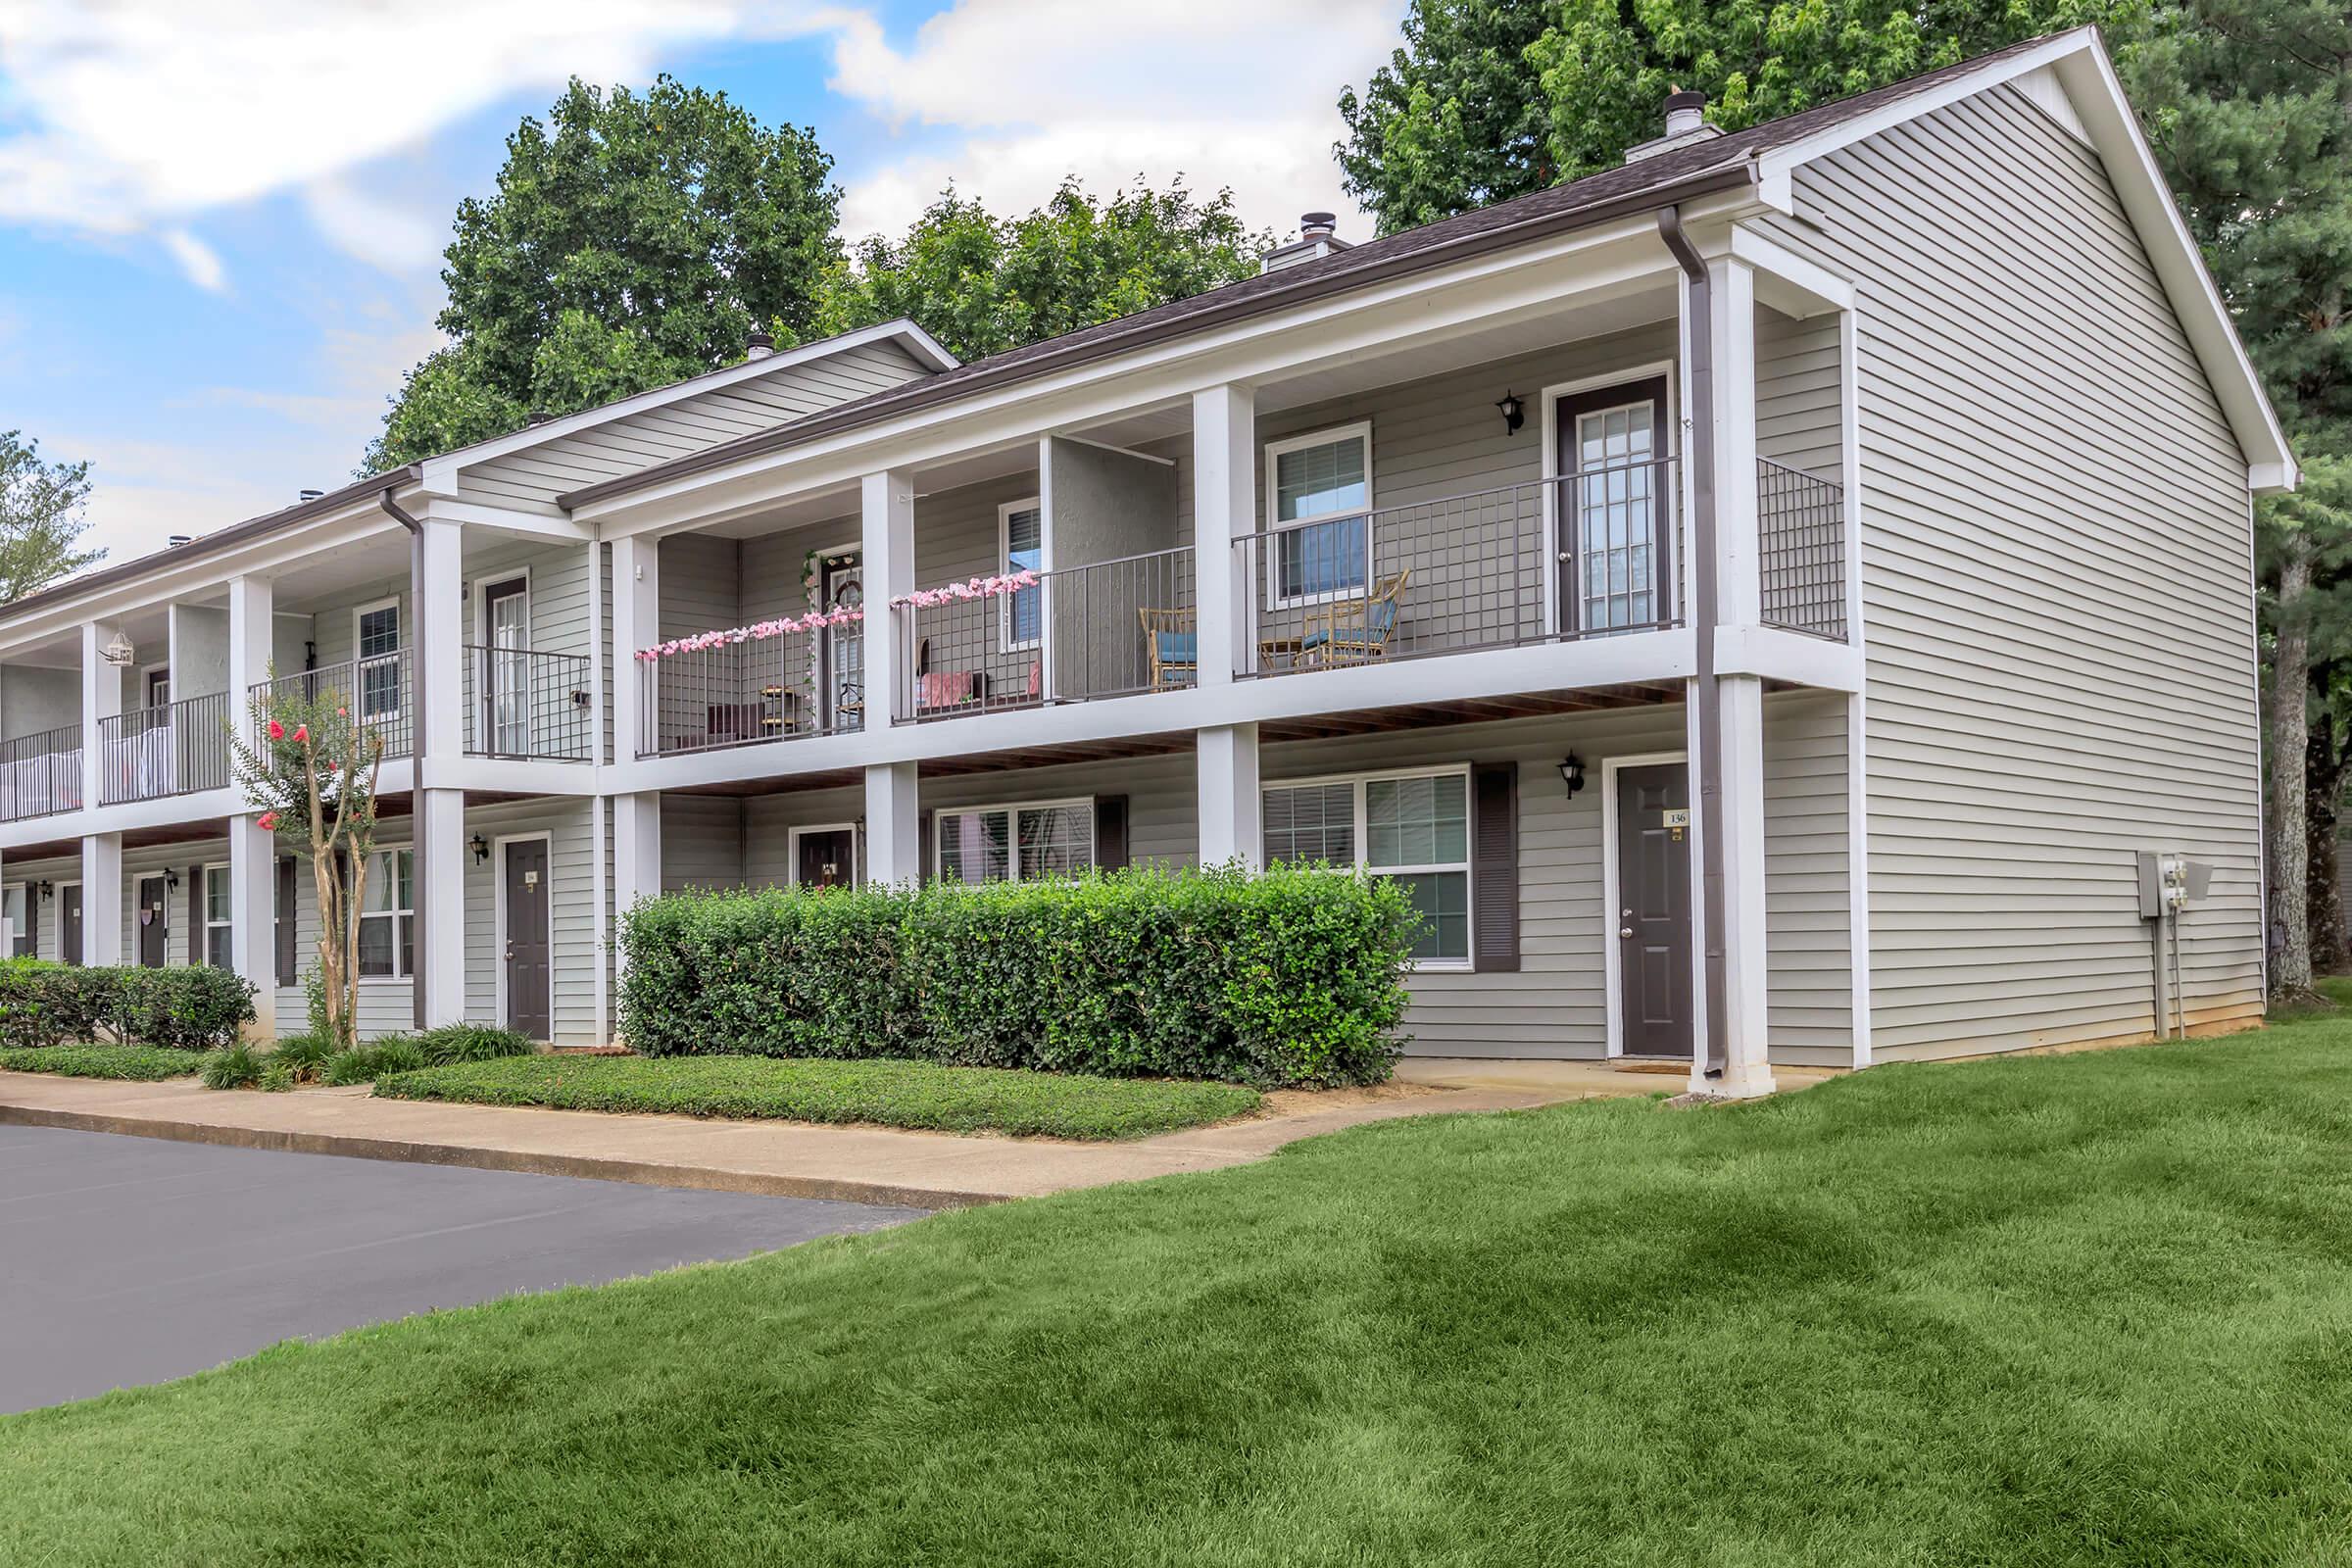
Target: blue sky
[(220, 243)]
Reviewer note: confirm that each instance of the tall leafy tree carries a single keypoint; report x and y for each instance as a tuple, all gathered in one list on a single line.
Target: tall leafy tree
[(42, 505), (982, 284), (634, 239), (2249, 106), (1488, 99)]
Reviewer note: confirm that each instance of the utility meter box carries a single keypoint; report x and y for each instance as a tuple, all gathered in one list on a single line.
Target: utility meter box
[(2169, 883), (2151, 884)]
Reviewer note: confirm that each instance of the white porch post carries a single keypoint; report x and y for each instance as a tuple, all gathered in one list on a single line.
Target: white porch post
[(1224, 508), (438, 632), (101, 699), (438, 818), (636, 623), (894, 835), (102, 900), (636, 848), (252, 852), (1739, 813), (440, 868), (1232, 806), (887, 507)]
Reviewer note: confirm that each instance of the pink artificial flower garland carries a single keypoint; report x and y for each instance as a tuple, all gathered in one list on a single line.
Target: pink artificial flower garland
[(759, 631)]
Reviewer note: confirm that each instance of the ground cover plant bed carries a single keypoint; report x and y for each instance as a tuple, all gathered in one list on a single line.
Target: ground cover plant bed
[(2081, 1309), (144, 1064), (892, 1094)]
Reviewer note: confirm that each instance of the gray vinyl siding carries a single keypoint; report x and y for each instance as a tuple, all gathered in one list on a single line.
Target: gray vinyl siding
[(47, 940), (700, 578), (1808, 935), (702, 842), (2055, 580), (1798, 398), (33, 700), (529, 480)]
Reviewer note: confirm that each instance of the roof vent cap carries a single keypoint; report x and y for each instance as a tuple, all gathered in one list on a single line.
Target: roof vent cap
[(762, 344), (300, 496), (178, 539), (1686, 112)]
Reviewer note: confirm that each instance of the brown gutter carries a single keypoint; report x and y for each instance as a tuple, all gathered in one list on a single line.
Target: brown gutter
[(1707, 741), (1150, 327)]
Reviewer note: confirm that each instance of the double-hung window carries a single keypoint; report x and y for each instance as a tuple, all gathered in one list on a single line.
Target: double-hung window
[(1015, 843), (1413, 828), (1022, 537), (216, 906), (388, 916), (377, 645), (1319, 493)]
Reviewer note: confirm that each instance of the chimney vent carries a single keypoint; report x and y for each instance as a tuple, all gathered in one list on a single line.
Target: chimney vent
[(178, 539), (1685, 122), (1318, 237), (1318, 225), (540, 416), (762, 344), (300, 496)]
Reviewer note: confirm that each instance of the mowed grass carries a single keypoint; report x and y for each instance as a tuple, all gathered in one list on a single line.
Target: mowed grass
[(892, 1094), (145, 1063), (2068, 1309)]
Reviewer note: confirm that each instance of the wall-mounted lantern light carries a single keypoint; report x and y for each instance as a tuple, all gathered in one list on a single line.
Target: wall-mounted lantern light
[(1515, 413), (1572, 774), (46, 891), (480, 847)]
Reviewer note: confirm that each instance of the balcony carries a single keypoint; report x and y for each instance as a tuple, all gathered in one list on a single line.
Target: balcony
[(40, 774), (150, 753), (520, 703), (377, 689), (774, 682), (1800, 526)]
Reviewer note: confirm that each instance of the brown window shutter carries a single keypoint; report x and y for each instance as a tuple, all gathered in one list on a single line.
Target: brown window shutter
[(1110, 832), (196, 953), (1495, 868), (32, 921), (286, 964)]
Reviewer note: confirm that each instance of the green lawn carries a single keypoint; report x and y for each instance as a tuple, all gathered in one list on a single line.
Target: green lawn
[(2086, 1308), (896, 1094), (146, 1063)]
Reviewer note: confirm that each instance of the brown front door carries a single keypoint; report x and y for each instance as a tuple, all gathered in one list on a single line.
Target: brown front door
[(1614, 499), (1652, 930), (526, 939), (828, 859), (155, 921), (68, 922)]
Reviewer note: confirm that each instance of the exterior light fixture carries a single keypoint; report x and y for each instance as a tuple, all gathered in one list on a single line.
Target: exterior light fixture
[(118, 650), (480, 847), (1572, 774), (1515, 413), (46, 891)]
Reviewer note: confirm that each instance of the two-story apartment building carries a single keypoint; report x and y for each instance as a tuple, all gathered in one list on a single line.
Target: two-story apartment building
[(1758, 600)]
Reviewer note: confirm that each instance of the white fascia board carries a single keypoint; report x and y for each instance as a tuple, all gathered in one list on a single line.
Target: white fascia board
[(503, 520), (2103, 116), (1583, 266), (205, 572), (441, 472), (1787, 282)]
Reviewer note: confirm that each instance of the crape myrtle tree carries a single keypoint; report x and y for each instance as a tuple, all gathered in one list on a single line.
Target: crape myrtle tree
[(310, 768)]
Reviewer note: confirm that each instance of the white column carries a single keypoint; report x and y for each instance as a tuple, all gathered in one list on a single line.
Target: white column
[(1741, 820), (636, 849), (598, 662), (437, 630), (252, 852), (440, 850), (1224, 508), (636, 623), (102, 900), (887, 505), (1738, 555), (1232, 804), (600, 892), (101, 699), (894, 835)]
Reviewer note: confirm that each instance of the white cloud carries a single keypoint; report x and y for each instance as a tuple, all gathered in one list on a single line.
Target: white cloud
[(197, 259), (1227, 92)]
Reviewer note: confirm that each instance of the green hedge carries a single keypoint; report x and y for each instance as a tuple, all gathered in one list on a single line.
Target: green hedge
[(195, 1008), (1293, 977)]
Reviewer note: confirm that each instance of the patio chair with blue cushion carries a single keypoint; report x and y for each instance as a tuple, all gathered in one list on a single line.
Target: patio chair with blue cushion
[(1172, 639), (1355, 631)]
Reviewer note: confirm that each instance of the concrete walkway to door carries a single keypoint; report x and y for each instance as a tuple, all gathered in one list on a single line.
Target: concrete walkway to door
[(866, 1164)]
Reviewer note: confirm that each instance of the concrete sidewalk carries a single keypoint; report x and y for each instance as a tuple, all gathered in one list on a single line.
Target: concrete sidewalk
[(795, 1159)]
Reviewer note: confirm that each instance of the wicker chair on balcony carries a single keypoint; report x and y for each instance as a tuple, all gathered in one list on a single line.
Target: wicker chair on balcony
[(1172, 639), (1355, 631)]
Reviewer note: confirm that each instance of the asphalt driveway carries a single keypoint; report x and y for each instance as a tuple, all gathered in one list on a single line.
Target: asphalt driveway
[(127, 1260)]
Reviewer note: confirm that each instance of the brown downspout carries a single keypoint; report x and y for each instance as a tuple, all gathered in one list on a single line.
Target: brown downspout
[(416, 796), (1707, 742)]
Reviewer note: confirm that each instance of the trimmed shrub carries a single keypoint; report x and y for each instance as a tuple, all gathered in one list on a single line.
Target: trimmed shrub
[(140, 1063), (1293, 977), (195, 1008)]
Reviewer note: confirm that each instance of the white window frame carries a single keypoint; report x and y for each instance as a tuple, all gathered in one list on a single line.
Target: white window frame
[(1360, 430), (204, 953), (792, 850), (358, 671), (147, 676), (1012, 839), (400, 974), (1004, 637), (1361, 783), (24, 892)]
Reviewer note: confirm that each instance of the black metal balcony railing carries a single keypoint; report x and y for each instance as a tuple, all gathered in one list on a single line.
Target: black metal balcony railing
[(173, 749), (785, 687), (375, 689), (1801, 523), (41, 773), (1583, 554), (520, 702), (1110, 628)]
